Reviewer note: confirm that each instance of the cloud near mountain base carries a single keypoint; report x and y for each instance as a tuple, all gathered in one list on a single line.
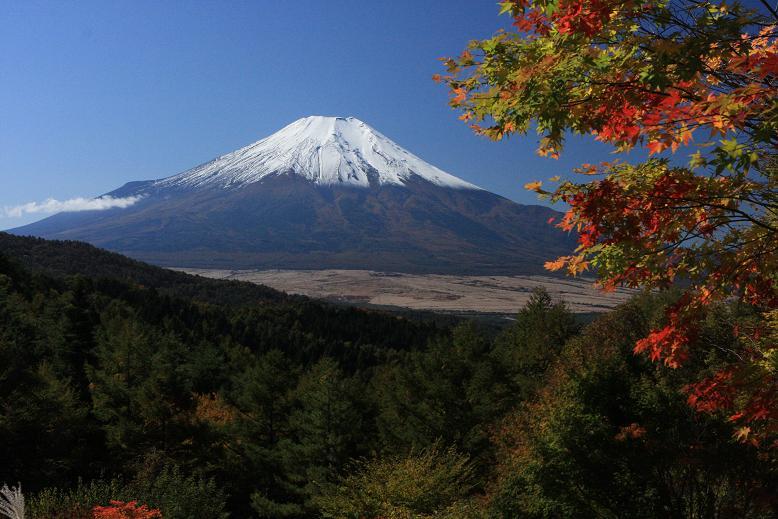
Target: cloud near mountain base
[(52, 205)]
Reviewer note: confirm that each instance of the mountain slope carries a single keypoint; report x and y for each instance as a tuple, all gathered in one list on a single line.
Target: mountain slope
[(323, 192)]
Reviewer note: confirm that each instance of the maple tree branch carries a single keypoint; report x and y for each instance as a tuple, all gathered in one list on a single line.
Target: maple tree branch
[(770, 8)]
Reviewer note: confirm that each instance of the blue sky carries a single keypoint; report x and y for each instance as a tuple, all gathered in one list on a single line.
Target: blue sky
[(95, 93)]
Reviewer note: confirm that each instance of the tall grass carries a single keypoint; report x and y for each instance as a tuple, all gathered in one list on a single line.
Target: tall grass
[(12, 502)]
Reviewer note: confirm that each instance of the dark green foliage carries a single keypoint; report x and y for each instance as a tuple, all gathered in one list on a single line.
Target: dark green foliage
[(528, 346), (260, 410), (46, 433), (451, 392), (260, 317), (321, 425), (96, 375), (178, 496), (328, 427), (458, 388), (74, 258), (263, 399)]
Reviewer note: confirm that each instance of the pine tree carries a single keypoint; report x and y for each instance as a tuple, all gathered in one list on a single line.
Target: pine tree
[(327, 429), (527, 347), (263, 400)]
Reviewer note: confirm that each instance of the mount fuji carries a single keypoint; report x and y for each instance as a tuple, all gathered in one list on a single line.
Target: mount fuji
[(321, 193)]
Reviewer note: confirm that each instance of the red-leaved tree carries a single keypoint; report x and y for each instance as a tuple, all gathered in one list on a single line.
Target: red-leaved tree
[(695, 84)]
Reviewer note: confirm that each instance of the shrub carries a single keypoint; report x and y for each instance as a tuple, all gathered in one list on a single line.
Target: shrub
[(74, 503), (175, 495), (121, 510), (431, 482)]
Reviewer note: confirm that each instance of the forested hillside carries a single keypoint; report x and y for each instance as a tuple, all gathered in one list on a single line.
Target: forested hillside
[(291, 408), (63, 258)]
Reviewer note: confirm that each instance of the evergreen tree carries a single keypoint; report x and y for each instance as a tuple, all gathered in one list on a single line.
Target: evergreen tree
[(451, 392), (328, 429), (263, 400), (528, 346), (137, 389)]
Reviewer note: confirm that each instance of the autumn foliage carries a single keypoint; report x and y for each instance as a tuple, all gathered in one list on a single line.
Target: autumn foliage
[(122, 510), (695, 85)]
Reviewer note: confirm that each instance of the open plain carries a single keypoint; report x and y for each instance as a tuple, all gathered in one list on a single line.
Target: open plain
[(439, 293)]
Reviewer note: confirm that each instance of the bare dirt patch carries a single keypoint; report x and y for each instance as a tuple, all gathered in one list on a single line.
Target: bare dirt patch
[(443, 293)]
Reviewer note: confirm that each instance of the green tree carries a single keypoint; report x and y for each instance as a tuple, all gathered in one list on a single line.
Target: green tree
[(527, 347), (263, 398), (450, 392), (327, 428), (46, 432), (138, 389)]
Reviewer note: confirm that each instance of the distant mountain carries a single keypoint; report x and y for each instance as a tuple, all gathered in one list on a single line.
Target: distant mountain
[(323, 192)]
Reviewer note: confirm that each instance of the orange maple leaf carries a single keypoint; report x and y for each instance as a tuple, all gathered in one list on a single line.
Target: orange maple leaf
[(533, 186), (460, 96), (556, 264)]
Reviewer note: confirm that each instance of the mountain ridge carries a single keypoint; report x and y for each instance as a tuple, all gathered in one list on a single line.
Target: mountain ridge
[(285, 202)]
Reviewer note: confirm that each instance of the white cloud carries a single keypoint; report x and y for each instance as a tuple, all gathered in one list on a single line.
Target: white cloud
[(51, 205)]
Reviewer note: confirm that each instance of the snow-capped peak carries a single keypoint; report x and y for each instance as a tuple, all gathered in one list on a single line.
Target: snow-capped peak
[(325, 150)]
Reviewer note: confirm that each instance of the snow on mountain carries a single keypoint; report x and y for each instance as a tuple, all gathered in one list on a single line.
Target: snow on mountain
[(322, 193), (324, 150)]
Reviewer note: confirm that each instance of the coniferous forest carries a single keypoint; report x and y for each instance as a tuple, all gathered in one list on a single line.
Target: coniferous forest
[(200, 404)]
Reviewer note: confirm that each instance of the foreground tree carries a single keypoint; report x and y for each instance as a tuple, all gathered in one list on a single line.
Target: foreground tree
[(658, 75)]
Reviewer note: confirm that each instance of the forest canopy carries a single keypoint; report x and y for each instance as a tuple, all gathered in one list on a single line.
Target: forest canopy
[(113, 392)]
